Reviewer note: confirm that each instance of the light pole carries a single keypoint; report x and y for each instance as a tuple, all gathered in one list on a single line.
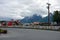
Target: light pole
[(48, 7)]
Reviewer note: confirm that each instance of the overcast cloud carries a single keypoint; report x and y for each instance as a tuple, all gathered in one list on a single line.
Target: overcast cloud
[(18, 9)]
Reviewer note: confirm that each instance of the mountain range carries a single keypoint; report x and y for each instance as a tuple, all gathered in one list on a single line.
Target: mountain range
[(30, 19), (36, 18)]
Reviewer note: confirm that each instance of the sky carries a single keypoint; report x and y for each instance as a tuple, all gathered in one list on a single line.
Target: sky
[(18, 9)]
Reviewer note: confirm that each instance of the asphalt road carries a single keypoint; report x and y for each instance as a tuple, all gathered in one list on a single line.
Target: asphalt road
[(29, 34)]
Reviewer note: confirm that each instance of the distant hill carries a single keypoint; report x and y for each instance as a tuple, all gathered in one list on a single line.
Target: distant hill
[(4, 19), (36, 18), (45, 19)]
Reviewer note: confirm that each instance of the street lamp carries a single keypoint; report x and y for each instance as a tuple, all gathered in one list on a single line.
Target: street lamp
[(48, 7)]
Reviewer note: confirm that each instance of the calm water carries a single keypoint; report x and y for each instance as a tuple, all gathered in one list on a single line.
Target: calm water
[(29, 34)]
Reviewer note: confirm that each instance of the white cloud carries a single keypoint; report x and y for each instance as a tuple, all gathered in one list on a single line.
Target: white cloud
[(18, 8)]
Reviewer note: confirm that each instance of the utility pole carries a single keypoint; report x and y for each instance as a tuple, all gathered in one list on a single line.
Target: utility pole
[(48, 7)]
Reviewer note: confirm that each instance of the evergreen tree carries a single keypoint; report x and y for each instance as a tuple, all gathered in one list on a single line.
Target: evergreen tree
[(56, 17)]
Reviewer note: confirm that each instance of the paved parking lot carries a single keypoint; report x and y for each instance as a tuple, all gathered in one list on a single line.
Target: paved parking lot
[(29, 34)]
